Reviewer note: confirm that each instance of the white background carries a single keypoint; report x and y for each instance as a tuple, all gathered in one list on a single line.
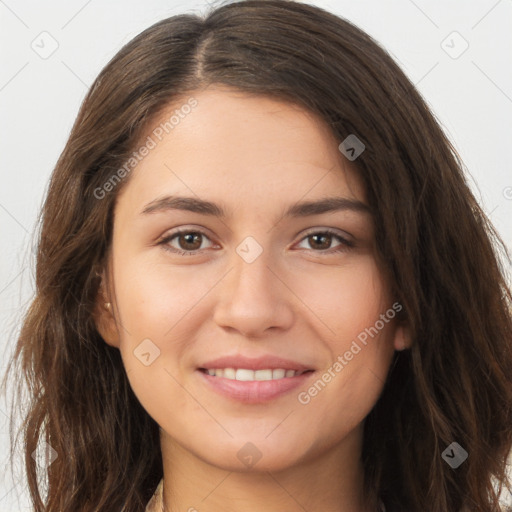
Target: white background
[(39, 99)]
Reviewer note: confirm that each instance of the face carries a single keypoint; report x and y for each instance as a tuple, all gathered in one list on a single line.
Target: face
[(255, 283)]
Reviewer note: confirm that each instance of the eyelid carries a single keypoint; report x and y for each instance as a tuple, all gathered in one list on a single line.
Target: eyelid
[(332, 231), (345, 242), (168, 236)]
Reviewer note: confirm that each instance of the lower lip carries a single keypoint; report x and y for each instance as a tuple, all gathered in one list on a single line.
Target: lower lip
[(253, 392)]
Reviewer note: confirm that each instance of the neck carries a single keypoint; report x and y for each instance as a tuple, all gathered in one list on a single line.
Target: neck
[(332, 481)]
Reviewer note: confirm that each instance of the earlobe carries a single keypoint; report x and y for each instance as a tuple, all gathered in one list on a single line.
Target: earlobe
[(402, 339), (104, 318)]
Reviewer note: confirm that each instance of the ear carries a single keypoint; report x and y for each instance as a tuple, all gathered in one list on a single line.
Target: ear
[(104, 315), (402, 338)]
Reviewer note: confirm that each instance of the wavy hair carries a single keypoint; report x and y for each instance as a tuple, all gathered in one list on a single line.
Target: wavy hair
[(446, 262)]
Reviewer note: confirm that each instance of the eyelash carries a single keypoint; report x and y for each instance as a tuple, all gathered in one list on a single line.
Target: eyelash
[(344, 245)]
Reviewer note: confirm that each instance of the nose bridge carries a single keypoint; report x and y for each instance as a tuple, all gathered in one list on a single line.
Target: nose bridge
[(251, 299), (251, 278)]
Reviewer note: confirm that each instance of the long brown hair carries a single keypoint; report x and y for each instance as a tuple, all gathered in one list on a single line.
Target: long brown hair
[(443, 256)]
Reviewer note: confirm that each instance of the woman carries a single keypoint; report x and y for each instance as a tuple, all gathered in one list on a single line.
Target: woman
[(264, 284)]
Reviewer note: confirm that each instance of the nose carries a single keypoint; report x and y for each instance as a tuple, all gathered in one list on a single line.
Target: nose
[(253, 298)]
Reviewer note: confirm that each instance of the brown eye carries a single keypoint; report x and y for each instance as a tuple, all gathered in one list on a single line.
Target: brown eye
[(189, 241), (184, 242), (321, 241)]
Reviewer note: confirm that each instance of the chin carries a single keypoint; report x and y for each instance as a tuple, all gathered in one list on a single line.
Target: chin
[(253, 455)]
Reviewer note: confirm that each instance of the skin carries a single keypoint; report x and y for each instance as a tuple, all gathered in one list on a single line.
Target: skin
[(298, 299)]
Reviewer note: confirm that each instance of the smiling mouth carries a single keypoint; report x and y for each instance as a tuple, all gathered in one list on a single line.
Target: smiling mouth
[(246, 375)]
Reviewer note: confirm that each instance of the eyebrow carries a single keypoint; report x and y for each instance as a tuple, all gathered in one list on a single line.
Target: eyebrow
[(302, 209)]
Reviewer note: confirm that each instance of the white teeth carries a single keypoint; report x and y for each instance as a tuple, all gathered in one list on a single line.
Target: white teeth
[(244, 374), (229, 373), (263, 375), (280, 373)]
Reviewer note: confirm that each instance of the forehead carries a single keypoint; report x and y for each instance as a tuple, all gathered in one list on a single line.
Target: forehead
[(235, 147)]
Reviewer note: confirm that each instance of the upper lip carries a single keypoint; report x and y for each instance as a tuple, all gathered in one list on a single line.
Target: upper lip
[(260, 363)]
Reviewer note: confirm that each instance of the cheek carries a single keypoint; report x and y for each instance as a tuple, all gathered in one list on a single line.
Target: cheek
[(346, 299), (156, 300), (359, 344), (363, 334), (154, 334)]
